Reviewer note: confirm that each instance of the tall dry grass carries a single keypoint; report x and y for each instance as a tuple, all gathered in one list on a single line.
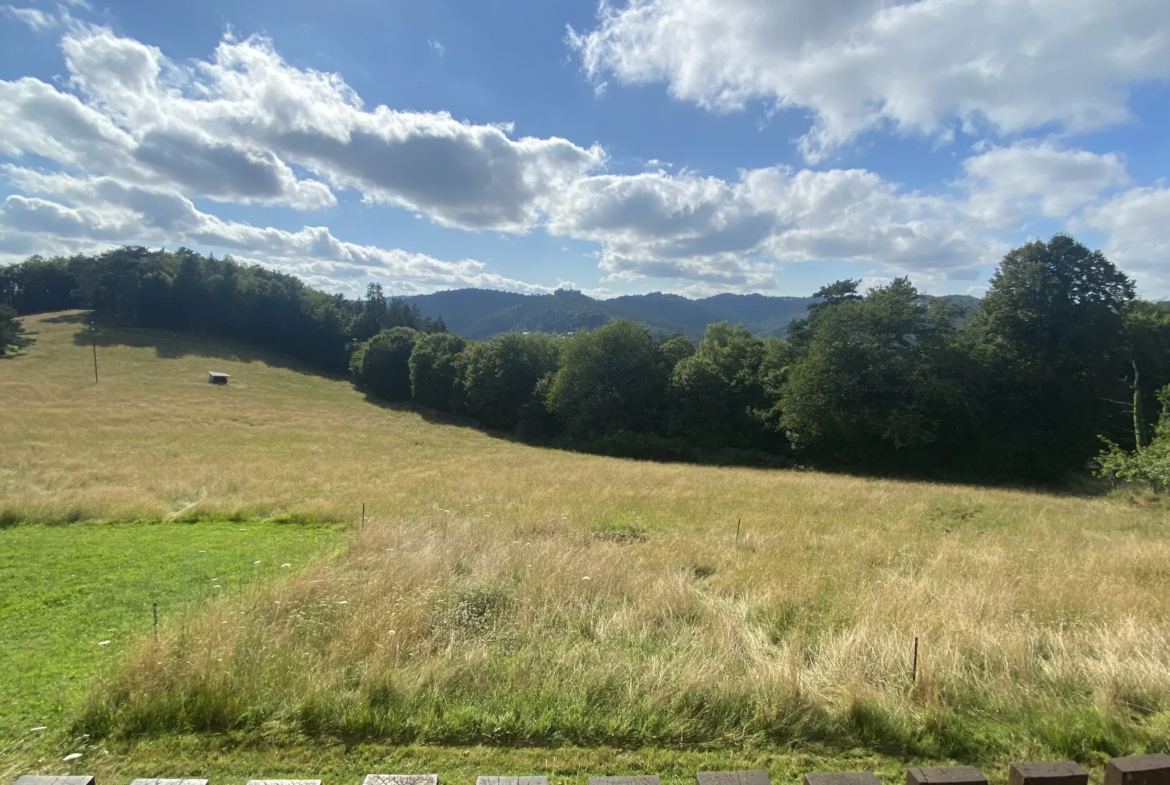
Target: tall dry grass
[(493, 596)]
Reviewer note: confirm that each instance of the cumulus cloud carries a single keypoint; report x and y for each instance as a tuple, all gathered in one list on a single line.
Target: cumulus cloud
[(1008, 185), (1137, 233), (85, 213), (704, 229), (232, 126), (134, 137), (926, 66)]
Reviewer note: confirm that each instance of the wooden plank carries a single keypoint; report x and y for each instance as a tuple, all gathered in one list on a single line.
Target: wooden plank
[(511, 781), (842, 778), (1138, 770), (33, 779), (645, 779), (945, 775), (401, 779), (1060, 772), (753, 777)]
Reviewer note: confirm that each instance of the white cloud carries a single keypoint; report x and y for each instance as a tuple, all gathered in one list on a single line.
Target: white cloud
[(1137, 234), (94, 212), (695, 229), (927, 66), (437, 46), (137, 137), (1009, 185), (35, 18), (233, 125)]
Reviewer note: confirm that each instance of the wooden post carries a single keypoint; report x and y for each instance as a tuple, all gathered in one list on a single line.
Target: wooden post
[(1138, 770), (914, 668), (93, 335), (1064, 772), (737, 525)]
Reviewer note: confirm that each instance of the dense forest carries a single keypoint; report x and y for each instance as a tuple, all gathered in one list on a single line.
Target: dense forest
[(1059, 369)]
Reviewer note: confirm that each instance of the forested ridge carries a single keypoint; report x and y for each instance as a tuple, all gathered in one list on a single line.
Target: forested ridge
[(1059, 369)]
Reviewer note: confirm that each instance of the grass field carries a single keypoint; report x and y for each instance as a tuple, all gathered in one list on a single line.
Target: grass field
[(77, 595), (561, 608)]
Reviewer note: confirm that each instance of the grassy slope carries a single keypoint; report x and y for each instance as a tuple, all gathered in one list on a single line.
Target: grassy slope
[(69, 589), (1043, 620)]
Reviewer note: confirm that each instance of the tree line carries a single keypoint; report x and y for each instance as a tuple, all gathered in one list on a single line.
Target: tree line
[(1059, 368)]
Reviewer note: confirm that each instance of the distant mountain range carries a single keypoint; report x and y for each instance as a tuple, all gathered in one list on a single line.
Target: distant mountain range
[(479, 314)]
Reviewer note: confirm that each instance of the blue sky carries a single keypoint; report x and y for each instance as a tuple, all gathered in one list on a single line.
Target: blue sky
[(690, 146)]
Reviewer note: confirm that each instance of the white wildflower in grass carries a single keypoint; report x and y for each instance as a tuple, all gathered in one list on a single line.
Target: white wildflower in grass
[(286, 564), (103, 643)]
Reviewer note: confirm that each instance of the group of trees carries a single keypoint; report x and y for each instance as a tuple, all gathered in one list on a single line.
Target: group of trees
[(189, 292), (1058, 356)]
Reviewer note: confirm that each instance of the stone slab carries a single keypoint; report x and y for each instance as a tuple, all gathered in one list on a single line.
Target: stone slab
[(842, 778), (284, 782), (644, 779), (945, 775), (169, 782), (1060, 772), (33, 779), (753, 777), (1138, 770), (401, 779), (511, 781)]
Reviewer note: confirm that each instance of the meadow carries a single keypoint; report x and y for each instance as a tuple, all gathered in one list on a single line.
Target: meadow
[(508, 606)]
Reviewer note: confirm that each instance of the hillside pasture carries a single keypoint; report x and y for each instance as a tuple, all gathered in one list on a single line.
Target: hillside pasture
[(501, 594)]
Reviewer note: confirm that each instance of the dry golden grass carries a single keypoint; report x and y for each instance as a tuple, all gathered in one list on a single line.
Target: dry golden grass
[(479, 602)]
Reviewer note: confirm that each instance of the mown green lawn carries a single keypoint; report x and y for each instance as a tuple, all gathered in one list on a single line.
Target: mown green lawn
[(72, 597)]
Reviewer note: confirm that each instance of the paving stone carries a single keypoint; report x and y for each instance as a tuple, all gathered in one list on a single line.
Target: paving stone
[(1060, 772), (754, 777), (842, 778), (284, 782), (1138, 770), (33, 779), (169, 782), (401, 779), (512, 781), (945, 775), (645, 779)]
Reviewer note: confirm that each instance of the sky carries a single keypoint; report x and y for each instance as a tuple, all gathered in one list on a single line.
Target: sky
[(685, 146)]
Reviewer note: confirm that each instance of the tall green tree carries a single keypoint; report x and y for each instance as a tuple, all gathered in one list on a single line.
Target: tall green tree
[(1049, 337), (871, 381), (717, 394), (501, 378), (382, 364), (609, 381), (436, 371)]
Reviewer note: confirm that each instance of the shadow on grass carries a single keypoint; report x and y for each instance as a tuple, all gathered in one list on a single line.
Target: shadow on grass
[(105, 332)]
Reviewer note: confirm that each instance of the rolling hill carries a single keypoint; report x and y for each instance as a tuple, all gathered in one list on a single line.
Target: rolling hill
[(554, 610), (479, 314)]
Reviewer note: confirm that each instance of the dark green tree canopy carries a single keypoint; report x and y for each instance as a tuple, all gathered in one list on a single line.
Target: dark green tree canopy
[(609, 381)]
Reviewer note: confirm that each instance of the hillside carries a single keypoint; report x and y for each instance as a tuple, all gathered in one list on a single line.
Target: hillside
[(479, 314), (544, 602)]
